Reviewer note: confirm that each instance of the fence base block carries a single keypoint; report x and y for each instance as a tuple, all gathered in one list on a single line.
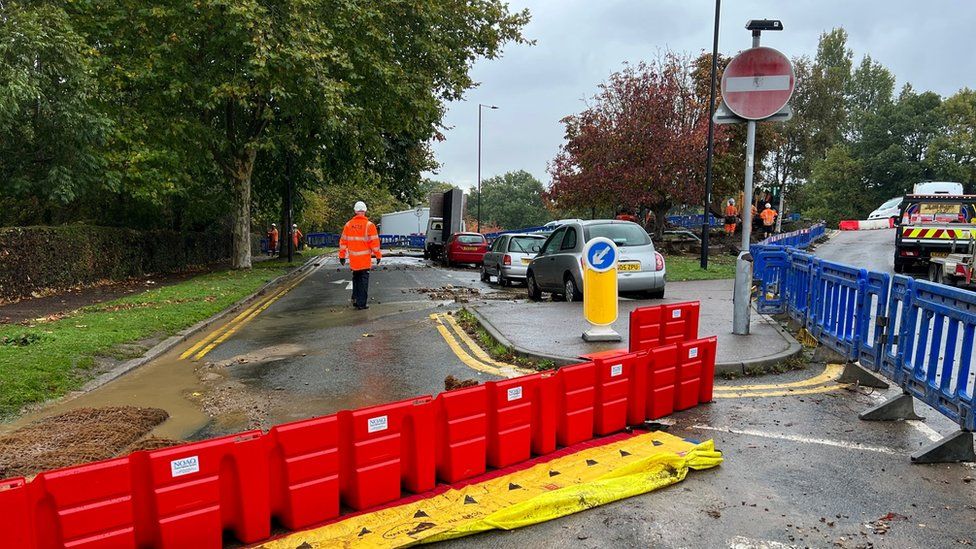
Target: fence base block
[(855, 374), (950, 449), (897, 408)]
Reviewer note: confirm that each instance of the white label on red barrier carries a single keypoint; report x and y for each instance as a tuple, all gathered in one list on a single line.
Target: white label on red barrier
[(693, 352), (184, 466), (514, 393), (676, 313), (616, 370), (375, 424)]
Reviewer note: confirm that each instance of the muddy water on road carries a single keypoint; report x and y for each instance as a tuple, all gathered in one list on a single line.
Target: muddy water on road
[(166, 383)]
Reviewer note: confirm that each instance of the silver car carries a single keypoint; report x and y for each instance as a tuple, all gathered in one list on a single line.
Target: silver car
[(509, 256), (558, 267)]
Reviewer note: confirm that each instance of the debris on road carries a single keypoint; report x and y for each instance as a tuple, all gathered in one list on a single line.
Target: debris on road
[(883, 524), (75, 437), (451, 383), (460, 294)]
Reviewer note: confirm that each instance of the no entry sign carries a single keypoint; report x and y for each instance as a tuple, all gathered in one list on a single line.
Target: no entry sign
[(758, 83)]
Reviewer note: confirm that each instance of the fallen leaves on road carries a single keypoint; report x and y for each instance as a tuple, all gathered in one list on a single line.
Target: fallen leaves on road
[(451, 383)]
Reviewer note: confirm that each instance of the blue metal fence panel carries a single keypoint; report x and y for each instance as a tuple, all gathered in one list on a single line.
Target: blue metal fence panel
[(799, 277), (770, 264), (899, 304), (322, 240), (871, 319), (937, 364), (836, 296)]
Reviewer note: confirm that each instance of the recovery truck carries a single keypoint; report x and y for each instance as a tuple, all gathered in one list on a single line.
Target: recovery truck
[(446, 218), (933, 226)]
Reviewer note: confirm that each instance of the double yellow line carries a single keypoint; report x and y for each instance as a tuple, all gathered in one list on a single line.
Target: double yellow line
[(221, 334), (474, 357), (822, 383)]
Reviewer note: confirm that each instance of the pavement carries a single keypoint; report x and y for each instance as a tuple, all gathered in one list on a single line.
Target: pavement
[(553, 329)]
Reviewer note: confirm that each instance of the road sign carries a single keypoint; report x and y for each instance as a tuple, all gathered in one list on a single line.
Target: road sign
[(758, 83), (600, 289), (600, 254), (724, 116)]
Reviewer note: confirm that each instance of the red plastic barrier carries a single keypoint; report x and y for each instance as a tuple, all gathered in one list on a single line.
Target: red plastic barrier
[(848, 225), (545, 413), (615, 384), (577, 388), (17, 514), (692, 359), (513, 418), (679, 322), (462, 425), (87, 506), (304, 471), (196, 491), (661, 379), (652, 327), (383, 448), (708, 370)]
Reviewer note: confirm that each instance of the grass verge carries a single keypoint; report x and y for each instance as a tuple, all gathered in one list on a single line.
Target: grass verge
[(496, 350), (47, 359), (681, 268)]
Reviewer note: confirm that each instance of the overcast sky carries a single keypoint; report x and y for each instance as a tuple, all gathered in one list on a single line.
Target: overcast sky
[(580, 42)]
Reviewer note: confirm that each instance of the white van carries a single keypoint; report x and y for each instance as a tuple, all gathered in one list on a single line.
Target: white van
[(938, 187), (888, 210)]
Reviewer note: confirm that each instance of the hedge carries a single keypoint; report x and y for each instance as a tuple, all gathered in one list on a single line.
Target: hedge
[(36, 258)]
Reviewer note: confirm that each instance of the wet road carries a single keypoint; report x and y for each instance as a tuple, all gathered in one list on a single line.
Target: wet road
[(871, 250), (800, 471)]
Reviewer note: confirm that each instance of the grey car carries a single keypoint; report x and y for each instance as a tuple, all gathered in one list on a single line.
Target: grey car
[(509, 257), (558, 267)]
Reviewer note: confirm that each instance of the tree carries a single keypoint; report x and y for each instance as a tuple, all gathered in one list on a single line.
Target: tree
[(511, 201), (952, 153), (346, 86), (640, 144), (50, 132), (835, 191), (826, 108)]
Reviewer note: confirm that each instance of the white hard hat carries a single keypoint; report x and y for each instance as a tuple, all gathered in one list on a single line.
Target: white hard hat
[(731, 201), (360, 206), (295, 225), (767, 205), (273, 225)]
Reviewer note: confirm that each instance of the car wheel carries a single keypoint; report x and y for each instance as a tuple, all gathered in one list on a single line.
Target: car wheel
[(426, 254), (503, 280), (447, 262), (571, 292), (899, 266), (535, 294), (934, 274), (485, 277)]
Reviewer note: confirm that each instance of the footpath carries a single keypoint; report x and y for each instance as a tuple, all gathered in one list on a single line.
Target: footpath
[(552, 330)]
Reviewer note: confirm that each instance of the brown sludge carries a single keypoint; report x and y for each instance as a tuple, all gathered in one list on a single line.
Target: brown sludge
[(451, 383), (75, 437)]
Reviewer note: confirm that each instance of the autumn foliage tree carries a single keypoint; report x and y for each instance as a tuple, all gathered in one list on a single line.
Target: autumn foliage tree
[(640, 144)]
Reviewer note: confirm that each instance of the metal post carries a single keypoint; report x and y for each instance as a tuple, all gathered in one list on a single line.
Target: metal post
[(742, 292), (479, 168), (288, 213), (779, 218), (706, 226)]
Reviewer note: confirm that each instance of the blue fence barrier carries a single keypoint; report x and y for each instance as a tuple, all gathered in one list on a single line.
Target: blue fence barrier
[(918, 334)]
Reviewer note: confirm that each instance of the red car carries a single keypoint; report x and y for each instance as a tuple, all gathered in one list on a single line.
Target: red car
[(465, 248)]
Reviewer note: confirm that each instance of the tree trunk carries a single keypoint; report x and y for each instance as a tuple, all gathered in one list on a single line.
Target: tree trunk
[(660, 219), (240, 182)]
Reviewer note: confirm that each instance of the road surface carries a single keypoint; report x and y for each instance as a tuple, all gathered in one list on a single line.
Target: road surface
[(871, 250)]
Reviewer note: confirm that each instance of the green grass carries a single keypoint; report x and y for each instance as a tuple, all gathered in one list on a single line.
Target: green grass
[(681, 268), (496, 350), (48, 359)]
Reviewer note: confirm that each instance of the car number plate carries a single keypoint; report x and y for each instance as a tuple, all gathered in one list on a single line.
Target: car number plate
[(526, 261), (469, 248), (939, 254), (633, 266)]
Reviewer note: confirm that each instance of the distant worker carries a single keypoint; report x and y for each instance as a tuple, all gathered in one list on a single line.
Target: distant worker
[(769, 219), (273, 239), (625, 214), (296, 237), (731, 217), (360, 242), (755, 217)]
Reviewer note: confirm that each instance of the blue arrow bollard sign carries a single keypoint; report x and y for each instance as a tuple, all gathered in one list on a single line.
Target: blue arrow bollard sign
[(601, 255)]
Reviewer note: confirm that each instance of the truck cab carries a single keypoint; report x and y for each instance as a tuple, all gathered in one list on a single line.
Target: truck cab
[(434, 241), (933, 226)]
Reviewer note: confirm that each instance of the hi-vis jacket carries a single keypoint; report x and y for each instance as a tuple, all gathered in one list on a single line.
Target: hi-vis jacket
[(359, 242)]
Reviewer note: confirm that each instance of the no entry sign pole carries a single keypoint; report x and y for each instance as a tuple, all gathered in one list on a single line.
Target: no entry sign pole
[(756, 85)]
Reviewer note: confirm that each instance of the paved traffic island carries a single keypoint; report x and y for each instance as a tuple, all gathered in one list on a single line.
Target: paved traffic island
[(552, 330)]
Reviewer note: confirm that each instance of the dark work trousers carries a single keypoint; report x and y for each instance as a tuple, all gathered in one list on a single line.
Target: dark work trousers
[(360, 287)]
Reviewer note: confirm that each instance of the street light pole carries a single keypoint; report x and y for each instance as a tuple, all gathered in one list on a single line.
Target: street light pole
[(711, 140), (480, 106)]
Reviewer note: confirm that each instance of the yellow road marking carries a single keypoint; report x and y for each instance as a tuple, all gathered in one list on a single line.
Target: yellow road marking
[(502, 370), (222, 333), (830, 373), (811, 391), (479, 353)]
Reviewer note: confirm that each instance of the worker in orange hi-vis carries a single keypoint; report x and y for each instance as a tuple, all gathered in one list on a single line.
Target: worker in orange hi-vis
[(296, 237), (769, 219), (360, 243), (273, 240), (731, 217)]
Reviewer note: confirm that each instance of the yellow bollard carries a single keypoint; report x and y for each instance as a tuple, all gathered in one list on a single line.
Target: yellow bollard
[(600, 289)]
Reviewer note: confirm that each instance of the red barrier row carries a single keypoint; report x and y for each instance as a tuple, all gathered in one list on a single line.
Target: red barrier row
[(300, 473)]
